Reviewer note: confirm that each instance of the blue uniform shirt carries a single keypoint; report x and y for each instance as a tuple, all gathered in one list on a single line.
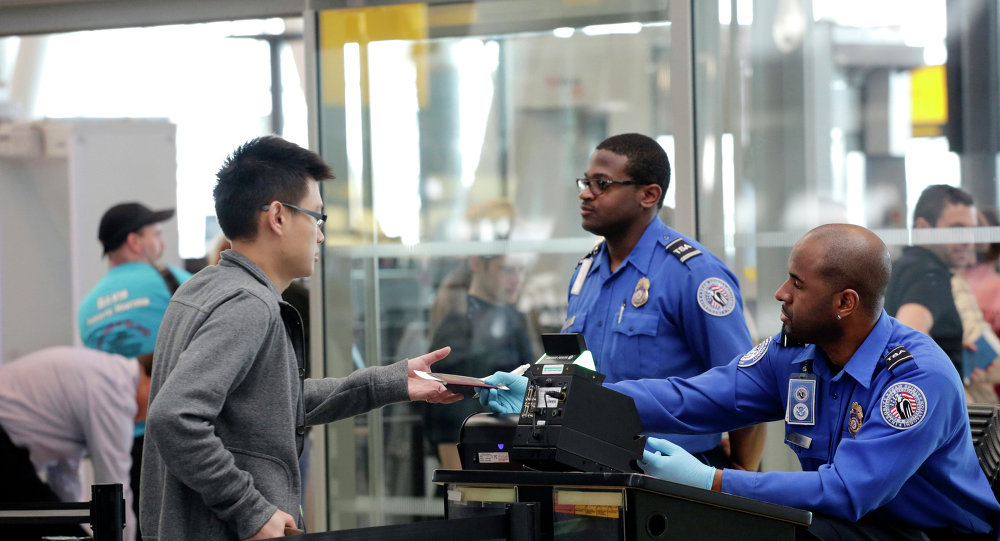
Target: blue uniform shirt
[(891, 438), (671, 309)]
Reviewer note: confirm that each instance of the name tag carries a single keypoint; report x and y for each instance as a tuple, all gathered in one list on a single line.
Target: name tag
[(795, 438)]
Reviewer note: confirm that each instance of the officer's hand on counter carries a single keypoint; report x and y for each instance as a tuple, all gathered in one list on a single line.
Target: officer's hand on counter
[(502, 401), (673, 463)]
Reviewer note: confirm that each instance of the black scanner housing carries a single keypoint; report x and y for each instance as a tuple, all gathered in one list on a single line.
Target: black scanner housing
[(570, 422)]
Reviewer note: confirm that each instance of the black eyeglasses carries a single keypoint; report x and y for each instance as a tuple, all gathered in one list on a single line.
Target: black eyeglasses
[(597, 186), (320, 218)]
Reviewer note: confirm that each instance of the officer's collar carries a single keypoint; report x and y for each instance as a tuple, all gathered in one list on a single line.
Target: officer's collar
[(861, 366), (642, 254)]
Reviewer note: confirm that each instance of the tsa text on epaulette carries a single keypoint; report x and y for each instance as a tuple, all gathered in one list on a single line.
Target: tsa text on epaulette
[(682, 250), (898, 355)]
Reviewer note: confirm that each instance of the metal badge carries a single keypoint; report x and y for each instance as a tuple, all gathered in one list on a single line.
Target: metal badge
[(641, 293), (857, 417)]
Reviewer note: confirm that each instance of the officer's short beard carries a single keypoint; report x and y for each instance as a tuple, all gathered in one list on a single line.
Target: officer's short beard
[(601, 230), (820, 334)]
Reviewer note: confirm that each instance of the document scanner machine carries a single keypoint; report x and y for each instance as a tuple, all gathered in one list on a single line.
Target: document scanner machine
[(568, 420)]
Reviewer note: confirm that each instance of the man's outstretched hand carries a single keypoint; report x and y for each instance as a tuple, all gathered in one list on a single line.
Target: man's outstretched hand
[(425, 389)]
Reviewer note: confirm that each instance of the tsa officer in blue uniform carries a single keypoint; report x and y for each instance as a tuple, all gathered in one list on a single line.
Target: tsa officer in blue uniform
[(650, 302), (874, 410)]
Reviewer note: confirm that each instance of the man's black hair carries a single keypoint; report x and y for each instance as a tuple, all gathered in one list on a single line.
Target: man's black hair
[(934, 198), (260, 171), (647, 161)]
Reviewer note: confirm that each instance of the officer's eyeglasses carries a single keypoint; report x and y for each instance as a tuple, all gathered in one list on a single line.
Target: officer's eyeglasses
[(320, 218), (597, 186)]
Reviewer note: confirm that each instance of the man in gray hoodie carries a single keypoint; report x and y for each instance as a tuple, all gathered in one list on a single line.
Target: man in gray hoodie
[(229, 402)]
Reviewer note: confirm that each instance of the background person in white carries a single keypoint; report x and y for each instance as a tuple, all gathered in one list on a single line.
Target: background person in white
[(58, 405)]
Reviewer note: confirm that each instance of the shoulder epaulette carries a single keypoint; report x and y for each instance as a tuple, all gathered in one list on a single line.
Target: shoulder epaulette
[(593, 251), (682, 250), (897, 356)]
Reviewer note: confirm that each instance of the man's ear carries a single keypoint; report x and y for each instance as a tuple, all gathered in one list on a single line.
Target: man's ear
[(274, 218), (847, 302), (921, 223), (650, 195), (134, 241)]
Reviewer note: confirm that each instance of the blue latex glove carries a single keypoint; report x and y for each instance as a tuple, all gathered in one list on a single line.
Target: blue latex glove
[(675, 464), (501, 401)]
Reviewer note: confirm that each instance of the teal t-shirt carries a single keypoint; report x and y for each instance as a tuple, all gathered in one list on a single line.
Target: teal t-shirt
[(122, 313)]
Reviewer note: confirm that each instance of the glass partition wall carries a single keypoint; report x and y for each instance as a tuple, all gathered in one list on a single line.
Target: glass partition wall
[(456, 130), (813, 112), (816, 112)]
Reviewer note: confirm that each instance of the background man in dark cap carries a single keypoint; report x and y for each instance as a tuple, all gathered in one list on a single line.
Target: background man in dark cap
[(122, 313)]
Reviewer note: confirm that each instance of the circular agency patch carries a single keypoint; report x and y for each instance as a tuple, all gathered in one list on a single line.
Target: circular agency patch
[(716, 297), (755, 354), (903, 405)]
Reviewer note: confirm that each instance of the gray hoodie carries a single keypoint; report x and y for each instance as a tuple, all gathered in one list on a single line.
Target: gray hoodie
[(228, 406)]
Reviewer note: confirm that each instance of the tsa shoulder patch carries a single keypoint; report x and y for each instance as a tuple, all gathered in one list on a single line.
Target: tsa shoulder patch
[(897, 356), (682, 249), (755, 354), (716, 297), (903, 405)]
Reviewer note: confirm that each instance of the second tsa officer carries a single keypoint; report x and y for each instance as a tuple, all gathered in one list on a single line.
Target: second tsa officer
[(651, 302)]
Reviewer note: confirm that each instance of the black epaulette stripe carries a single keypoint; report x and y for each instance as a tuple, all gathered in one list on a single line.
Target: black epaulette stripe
[(898, 355), (682, 250)]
